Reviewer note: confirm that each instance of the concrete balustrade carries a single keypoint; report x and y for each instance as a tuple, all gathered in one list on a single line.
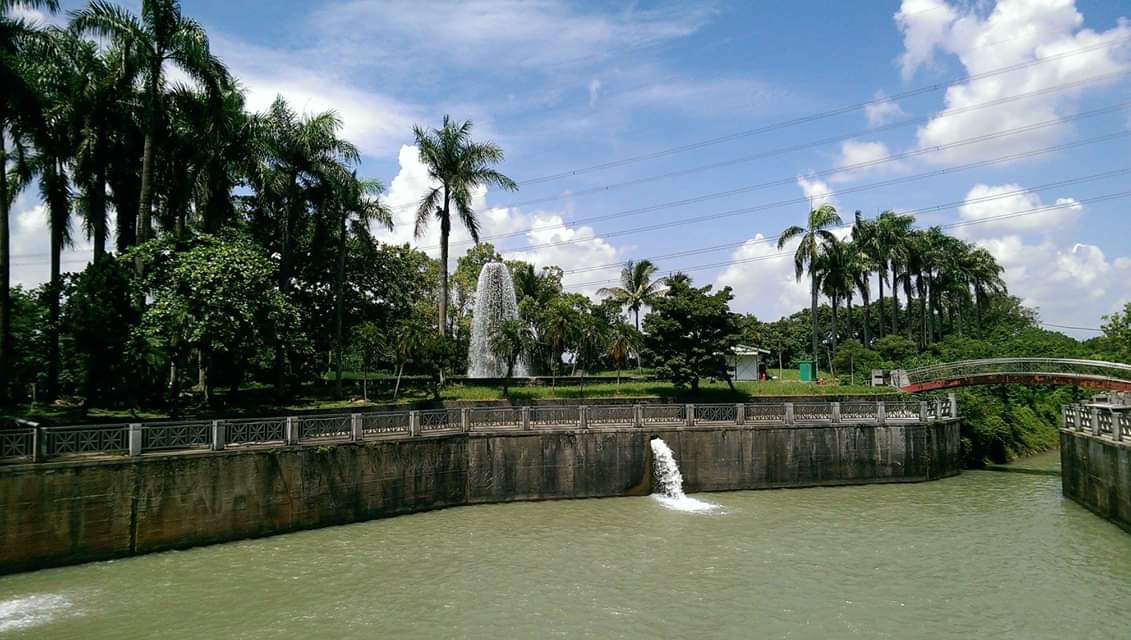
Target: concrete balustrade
[(139, 439)]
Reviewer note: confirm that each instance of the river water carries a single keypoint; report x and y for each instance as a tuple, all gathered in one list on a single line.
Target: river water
[(996, 554)]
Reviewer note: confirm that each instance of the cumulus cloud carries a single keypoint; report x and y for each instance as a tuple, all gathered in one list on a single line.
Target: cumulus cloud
[(31, 243), (818, 192), (991, 210), (882, 110), (542, 238), (1014, 32), (764, 280), (860, 159)]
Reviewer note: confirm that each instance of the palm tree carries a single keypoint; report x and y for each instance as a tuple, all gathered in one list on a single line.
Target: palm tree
[(408, 339), (984, 275), (890, 248), (637, 288), (160, 36), (356, 206), (19, 109), (623, 342), (557, 329), (509, 340), (862, 265), (815, 238), (835, 279), (458, 166)]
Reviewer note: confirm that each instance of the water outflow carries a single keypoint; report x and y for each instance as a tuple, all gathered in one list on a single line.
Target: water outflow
[(494, 304), (668, 481)]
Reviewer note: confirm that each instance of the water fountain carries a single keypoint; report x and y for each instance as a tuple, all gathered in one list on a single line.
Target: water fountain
[(494, 304), (668, 480)]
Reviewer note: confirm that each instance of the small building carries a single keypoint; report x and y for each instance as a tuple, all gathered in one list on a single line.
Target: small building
[(746, 362)]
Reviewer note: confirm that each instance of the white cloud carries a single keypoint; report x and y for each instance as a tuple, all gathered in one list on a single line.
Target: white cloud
[(764, 282), (541, 237), (540, 35), (377, 123), (594, 90), (882, 110), (1015, 32), (816, 190), (986, 207), (860, 159), (31, 247)]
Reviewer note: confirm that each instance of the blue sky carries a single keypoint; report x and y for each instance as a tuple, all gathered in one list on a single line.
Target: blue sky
[(562, 86)]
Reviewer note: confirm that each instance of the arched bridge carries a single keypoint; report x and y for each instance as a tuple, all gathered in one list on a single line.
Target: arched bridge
[(1095, 374)]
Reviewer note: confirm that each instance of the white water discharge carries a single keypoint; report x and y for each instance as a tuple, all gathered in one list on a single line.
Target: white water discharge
[(31, 611), (669, 481), (494, 304)]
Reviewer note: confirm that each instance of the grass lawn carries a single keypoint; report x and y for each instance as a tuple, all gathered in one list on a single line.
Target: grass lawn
[(256, 400)]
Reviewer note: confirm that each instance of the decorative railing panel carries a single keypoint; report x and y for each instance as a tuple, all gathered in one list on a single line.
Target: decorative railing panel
[(167, 436), (495, 418), (1071, 416), (612, 415), (764, 413), (947, 408), (901, 409), (17, 443), (812, 412), (707, 413), (88, 439), (554, 416), (1124, 425), (858, 411), (439, 420), (256, 431), (1105, 422), (330, 427), (377, 425), (664, 414)]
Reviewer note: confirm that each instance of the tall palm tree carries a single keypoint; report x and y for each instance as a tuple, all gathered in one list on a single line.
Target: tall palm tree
[(408, 339), (637, 288), (985, 277), (862, 265), (458, 166), (835, 280), (815, 239), (19, 109), (557, 329), (892, 230), (623, 342), (356, 206), (160, 35)]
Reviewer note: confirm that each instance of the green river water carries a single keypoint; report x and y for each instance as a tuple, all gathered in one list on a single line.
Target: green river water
[(987, 554)]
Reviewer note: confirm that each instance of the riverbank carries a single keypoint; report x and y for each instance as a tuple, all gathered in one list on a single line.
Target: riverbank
[(82, 510)]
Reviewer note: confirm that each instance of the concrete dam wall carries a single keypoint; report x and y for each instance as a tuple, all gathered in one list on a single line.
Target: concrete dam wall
[(58, 513)]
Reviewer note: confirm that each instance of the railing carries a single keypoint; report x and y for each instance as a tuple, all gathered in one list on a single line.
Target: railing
[(41, 443), (1096, 369), (1101, 421)]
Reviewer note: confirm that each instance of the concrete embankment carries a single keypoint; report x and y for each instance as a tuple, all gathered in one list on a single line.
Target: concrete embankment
[(1096, 473), (58, 513)]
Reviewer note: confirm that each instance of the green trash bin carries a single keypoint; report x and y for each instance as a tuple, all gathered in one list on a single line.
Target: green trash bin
[(807, 371)]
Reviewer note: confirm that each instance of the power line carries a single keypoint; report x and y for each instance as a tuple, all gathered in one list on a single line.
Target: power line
[(819, 115), (803, 200), (933, 208), (964, 223), (791, 148), (1067, 326), (833, 171)]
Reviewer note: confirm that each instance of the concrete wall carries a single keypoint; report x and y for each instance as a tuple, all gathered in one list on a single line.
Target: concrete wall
[(1096, 472), (70, 512)]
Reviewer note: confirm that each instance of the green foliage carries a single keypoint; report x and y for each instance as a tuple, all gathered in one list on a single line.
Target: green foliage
[(690, 333), (854, 362), (895, 349), (99, 316)]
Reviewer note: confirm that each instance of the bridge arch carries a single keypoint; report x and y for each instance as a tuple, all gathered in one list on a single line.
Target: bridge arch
[(1094, 374)]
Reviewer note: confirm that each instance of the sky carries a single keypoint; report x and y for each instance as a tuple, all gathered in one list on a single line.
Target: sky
[(693, 133)]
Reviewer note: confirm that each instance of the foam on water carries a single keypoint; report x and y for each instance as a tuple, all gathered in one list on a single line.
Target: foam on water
[(30, 611), (669, 481)]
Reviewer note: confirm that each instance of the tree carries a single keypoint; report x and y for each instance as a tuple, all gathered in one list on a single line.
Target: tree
[(623, 342), (369, 343), (815, 239), (409, 340), (691, 332), (835, 278), (509, 340), (890, 250), (557, 329), (99, 316), (1117, 329), (217, 296), (637, 288), (355, 206), (861, 266), (162, 35), (457, 166)]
